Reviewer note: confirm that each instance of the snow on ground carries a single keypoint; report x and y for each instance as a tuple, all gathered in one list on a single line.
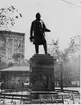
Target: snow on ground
[(16, 102), (67, 100), (70, 88), (73, 88)]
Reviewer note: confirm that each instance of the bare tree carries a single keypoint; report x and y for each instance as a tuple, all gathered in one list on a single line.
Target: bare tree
[(63, 59), (8, 17)]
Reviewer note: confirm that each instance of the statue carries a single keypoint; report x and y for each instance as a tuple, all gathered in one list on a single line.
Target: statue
[(37, 33), (42, 65)]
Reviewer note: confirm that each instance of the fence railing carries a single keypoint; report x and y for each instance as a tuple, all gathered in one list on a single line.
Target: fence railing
[(44, 97)]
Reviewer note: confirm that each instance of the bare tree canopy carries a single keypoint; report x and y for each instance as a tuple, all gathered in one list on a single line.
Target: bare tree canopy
[(8, 17)]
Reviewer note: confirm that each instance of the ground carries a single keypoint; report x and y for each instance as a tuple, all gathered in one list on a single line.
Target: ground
[(69, 98)]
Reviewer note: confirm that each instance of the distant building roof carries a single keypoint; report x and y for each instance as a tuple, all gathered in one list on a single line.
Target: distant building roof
[(8, 32), (17, 68)]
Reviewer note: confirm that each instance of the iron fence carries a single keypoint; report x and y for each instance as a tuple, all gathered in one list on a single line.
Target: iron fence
[(23, 99)]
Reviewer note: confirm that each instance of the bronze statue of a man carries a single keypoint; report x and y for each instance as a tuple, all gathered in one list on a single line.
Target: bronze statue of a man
[(37, 33)]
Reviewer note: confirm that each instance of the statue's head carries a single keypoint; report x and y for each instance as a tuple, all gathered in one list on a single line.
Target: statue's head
[(38, 16)]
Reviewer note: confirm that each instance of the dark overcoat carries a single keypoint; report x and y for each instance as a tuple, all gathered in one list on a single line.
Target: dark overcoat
[(37, 31)]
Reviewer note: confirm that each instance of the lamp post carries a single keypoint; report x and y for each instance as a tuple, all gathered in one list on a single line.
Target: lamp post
[(61, 82), (60, 61)]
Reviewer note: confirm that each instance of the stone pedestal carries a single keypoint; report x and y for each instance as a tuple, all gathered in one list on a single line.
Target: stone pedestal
[(42, 72)]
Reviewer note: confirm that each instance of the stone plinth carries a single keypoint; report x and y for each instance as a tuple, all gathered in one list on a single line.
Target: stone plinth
[(42, 75)]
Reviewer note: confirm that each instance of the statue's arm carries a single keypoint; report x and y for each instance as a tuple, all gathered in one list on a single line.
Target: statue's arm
[(46, 29)]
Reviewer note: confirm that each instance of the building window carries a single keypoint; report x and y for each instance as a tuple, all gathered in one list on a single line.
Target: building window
[(15, 42)]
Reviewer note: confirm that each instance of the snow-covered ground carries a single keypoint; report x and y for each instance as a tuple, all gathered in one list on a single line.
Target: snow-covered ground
[(73, 88), (70, 88), (69, 98)]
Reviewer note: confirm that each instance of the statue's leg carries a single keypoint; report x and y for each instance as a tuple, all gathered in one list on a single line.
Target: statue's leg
[(36, 48), (45, 47)]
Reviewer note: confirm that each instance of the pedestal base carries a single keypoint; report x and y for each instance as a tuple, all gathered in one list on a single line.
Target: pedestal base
[(42, 75)]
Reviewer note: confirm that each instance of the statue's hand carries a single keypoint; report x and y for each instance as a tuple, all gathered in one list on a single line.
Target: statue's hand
[(31, 38), (47, 30)]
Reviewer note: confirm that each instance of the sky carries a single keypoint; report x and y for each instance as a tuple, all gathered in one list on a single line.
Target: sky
[(62, 17)]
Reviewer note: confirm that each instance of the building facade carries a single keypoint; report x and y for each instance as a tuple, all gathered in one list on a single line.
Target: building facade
[(11, 43), (16, 77)]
